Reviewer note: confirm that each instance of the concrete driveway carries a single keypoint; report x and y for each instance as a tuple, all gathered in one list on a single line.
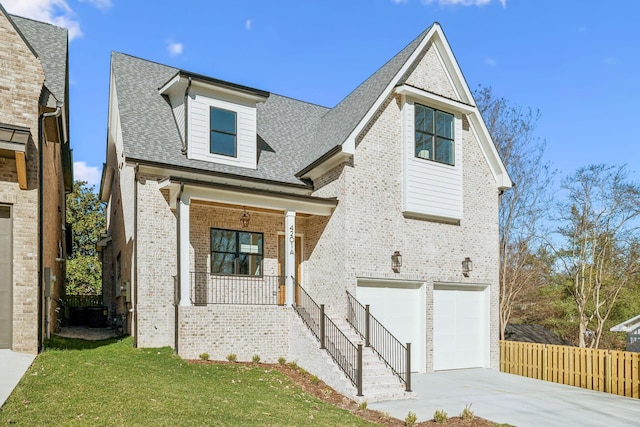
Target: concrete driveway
[(506, 398), (12, 367)]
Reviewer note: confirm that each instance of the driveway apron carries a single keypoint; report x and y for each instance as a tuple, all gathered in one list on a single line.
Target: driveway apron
[(506, 398)]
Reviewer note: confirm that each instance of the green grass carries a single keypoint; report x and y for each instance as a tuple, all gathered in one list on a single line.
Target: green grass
[(76, 382)]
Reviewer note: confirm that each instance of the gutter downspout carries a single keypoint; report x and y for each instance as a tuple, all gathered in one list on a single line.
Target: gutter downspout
[(42, 316), (177, 293), (135, 256), (185, 140)]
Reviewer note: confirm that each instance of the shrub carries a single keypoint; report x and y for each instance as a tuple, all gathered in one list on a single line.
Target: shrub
[(363, 405), (281, 360), (440, 416), (410, 419), (467, 414), (232, 357), (204, 356), (293, 365), (314, 380), (255, 358)]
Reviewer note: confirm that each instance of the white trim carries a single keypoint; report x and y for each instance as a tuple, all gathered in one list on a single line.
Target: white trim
[(266, 201), (435, 100), (185, 243), (627, 326), (290, 255)]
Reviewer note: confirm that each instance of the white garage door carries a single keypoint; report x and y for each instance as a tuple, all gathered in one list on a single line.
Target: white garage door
[(400, 309), (460, 328)]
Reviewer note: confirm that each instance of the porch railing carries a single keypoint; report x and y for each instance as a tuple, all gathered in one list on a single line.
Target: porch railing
[(207, 288), (396, 355), (347, 355)]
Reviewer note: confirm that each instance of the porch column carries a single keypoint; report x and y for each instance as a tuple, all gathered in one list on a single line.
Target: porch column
[(290, 255), (183, 249)]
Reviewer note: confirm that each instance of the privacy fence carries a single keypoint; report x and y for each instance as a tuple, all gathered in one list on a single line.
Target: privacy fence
[(616, 372)]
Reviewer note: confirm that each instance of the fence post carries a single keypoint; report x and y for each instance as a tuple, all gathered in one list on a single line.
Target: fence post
[(545, 362), (408, 383), (366, 325), (359, 370), (322, 346), (607, 373)]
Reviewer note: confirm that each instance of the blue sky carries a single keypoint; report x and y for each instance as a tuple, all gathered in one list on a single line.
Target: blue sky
[(576, 61)]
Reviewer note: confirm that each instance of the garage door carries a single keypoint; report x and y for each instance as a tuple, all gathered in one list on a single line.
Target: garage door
[(400, 309), (460, 328)]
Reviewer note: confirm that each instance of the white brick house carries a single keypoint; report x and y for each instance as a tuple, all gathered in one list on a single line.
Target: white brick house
[(225, 200)]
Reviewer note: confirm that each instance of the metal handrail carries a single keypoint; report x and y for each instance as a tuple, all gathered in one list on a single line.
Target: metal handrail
[(396, 355), (347, 355), (207, 288)]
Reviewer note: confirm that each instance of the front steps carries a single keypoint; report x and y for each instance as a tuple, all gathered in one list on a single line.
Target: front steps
[(378, 381)]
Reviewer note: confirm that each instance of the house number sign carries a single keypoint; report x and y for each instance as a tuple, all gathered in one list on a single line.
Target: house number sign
[(292, 239)]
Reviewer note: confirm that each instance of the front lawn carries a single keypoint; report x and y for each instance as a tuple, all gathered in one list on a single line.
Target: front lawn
[(76, 382)]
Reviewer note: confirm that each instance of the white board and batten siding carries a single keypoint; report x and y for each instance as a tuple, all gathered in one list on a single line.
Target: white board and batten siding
[(431, 189), (199, 105)]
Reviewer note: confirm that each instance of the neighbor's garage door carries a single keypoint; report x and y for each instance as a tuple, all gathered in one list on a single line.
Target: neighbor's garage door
[(399, 306), (460, 327)]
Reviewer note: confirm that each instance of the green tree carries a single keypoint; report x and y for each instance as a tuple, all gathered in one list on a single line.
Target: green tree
[(86, 214), (600, 255)]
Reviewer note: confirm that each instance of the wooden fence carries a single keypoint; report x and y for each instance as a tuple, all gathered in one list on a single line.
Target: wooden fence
[(609, 371)]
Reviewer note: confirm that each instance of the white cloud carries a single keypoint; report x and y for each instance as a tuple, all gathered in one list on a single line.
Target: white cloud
[(400, 1), (83, 172), (100, 4), (174, 49), (490, 62), (56, 12), (248, 23), (461, 2)]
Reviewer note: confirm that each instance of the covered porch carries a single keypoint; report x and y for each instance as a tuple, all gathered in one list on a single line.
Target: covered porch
[(242, 246)]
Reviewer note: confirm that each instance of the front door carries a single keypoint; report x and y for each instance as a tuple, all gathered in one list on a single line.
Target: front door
[(282, 267), (6, 263)]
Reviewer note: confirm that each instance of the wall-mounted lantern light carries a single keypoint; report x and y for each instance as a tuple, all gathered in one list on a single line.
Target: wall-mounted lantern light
[(396, 261), (467, 266), (245, 218)]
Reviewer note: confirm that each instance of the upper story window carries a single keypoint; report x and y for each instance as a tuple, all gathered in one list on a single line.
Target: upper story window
[(434, 139), (236, 252), (223, 137)]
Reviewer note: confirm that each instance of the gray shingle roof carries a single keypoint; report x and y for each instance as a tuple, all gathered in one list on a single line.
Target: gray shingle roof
[(150, 133), (50, 43), (291, 134)]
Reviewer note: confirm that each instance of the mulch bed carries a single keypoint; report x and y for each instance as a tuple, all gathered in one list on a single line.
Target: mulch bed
[(325, 393)]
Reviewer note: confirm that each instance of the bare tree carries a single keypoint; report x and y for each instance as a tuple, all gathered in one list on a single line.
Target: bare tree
[(599, 223), (523, 207)]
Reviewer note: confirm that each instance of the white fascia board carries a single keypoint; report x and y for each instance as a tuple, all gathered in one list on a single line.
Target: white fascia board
[(627, 325), (435, 99), (224, 180), (169, 86), (228, 91), (490, 152), (328, 164), (309, 206)]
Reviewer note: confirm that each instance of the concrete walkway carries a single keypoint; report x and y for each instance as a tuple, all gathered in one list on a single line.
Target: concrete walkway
[(12, 367), (506, 398)]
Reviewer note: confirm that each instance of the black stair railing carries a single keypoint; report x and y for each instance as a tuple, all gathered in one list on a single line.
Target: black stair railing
[(396, 355), (347, 355)]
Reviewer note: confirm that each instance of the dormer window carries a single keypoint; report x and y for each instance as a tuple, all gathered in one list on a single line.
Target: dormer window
[(434, 132), (222, 139)]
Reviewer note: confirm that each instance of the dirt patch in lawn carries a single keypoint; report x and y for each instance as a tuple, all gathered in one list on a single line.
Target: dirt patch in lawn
[(316, 387)]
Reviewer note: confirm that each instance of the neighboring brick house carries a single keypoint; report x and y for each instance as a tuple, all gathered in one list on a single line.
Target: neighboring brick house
[(223, 197), (35, 173)]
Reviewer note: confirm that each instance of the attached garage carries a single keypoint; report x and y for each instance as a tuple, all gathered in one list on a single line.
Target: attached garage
[(400, 307), (460, 327)]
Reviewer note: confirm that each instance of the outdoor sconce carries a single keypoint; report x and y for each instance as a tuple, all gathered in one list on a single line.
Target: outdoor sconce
[(396, 261), (245, 218), (467, 266)]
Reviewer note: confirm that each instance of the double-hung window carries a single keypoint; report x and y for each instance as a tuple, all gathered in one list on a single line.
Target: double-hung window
[(236, 252), (434, 135), (223, 137)]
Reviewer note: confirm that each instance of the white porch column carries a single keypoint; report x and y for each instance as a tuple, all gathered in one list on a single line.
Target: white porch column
[(290, 255), (183, 261)]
